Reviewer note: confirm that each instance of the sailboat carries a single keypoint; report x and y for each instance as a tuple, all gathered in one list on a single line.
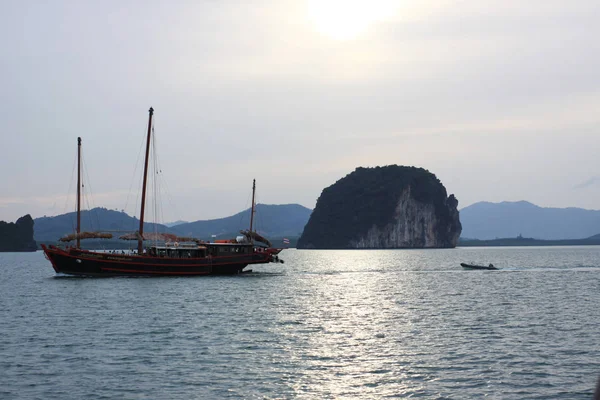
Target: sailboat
[(177, 256)]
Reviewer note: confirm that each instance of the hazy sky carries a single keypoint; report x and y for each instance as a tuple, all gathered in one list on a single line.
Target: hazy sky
[(499, 98)]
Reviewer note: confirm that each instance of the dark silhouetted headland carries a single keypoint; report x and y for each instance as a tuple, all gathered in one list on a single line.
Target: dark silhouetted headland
[(384, 207), (17, 236)]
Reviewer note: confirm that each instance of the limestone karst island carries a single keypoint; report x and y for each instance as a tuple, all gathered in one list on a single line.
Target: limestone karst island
[(17, 236), (384, 208)]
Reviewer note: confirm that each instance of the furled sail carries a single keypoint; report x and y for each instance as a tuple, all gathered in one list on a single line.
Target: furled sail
[(86, 235), (257, 237), (160, 237)]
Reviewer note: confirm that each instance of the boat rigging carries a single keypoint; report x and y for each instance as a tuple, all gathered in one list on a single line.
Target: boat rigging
[(178, 256)]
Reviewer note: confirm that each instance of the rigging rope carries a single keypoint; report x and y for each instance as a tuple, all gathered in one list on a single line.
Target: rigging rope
[(70, 184), (160, 218), (137, 199), (243, 215), (258, 216), (163, 183), (153, 183), (88, 195)]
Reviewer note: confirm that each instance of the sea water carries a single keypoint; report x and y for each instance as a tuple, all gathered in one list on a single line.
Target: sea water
[(324, 325)]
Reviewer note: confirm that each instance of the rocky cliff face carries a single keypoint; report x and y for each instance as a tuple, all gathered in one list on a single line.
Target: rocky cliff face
[(384, 207), (17, 236), (414, 225)]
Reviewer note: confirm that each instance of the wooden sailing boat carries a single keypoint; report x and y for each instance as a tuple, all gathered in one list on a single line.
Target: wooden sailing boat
[(178, 256)]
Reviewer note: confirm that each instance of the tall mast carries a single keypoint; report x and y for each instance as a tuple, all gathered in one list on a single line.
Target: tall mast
[(252, 211), (78, 191), (141, 230)]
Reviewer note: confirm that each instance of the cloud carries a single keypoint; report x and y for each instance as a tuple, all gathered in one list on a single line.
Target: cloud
[(496, 96), (594, 180)]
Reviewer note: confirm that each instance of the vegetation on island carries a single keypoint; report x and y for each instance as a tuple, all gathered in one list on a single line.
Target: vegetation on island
[(368, 197)]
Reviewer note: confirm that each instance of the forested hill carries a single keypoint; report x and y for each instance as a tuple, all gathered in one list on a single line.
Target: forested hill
[(383, 207), (50, 229), (17, 236)]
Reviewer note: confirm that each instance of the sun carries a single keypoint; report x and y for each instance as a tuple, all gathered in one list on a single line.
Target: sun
[(348, 19)]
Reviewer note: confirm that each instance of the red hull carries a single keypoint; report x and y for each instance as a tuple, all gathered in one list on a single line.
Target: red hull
[(83, 262)]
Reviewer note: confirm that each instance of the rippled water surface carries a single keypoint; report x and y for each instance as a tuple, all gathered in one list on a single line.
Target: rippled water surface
[(326, 324)]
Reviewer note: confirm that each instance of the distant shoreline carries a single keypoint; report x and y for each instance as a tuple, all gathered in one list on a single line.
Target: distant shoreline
[(521, 241)]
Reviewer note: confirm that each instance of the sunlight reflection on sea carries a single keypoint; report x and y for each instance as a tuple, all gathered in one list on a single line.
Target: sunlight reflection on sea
[(326, 324)]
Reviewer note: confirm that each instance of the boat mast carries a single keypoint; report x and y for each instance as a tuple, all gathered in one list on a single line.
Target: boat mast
[(78, 192), (141, 230), (252, 211)]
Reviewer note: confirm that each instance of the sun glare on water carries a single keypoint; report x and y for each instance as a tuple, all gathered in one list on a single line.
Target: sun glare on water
[(348, 19)]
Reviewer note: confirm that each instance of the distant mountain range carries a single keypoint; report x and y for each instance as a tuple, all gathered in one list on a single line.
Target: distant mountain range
[(175, 223), (483, 220), (272, 221), (49, 229), (486, 221)]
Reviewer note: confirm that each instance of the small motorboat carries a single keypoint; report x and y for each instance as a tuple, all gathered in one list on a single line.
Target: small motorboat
[(473, 266)]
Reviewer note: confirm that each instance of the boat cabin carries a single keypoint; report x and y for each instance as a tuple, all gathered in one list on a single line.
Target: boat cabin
[(172, 251), (229, 249), (199, 251)]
